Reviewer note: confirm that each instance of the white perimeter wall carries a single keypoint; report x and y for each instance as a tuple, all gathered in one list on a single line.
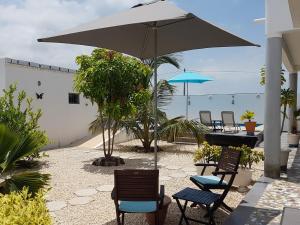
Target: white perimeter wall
[(63, 122), (238, 103), (2, 72)]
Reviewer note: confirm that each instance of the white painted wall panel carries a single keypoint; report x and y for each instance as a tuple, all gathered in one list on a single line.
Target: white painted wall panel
[(2, 74), (63, 122)]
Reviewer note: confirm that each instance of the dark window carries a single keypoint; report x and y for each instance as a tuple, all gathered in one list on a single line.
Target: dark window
[(74, 98)]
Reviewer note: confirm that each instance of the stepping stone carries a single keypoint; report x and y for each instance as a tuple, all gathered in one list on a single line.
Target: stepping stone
[(105, 188), (85, 192), (56, 205), (164, 178), (173, 167), (80, 200), (189, 169), (178, 175)]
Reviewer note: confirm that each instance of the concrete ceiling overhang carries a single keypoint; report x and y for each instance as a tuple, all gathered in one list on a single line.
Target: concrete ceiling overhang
[(295, 12), (291, 50), (291, 39)]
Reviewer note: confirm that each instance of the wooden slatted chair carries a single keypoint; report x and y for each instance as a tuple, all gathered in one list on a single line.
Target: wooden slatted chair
[(136, 191), (227, 166)]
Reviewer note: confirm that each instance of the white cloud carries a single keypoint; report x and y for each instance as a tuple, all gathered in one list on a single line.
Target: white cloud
[(22, 22)]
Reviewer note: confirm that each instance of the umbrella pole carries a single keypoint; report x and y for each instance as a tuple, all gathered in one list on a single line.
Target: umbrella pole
[(155, 96), (187, 101)]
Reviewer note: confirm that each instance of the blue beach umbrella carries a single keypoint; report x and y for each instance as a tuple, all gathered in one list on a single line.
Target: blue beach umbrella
[(189, 77)]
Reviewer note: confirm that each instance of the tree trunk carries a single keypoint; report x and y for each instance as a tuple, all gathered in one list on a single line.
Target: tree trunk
[(103, 133), (109, 139), (147, 145)]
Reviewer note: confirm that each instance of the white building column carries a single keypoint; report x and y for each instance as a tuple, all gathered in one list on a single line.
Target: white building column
[(272, 108), (293, 81)]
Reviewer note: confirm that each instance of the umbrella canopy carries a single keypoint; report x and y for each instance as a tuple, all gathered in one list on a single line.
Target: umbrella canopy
[(133, 32), (147, 31), (189, 77)]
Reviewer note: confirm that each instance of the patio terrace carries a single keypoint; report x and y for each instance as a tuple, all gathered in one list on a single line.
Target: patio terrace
[(264, 203), (80, 192)]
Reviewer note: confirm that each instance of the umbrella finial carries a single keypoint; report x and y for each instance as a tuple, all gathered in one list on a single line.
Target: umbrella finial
[(184, 70)]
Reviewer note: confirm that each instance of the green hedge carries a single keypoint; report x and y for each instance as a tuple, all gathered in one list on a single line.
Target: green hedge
[(19, 208)]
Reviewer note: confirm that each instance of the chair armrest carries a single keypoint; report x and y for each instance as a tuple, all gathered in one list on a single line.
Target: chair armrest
[(205, 164), (224, 173), (161, 196)]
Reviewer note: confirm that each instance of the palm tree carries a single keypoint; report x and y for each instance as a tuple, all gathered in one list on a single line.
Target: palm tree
[(263, 76), (287, 98), (142, 123), (14, 148)]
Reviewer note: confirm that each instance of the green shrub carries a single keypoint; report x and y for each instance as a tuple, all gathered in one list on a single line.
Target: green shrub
[(17, 114), (249, 156), (20, 208), (211, 153), (207, 153)]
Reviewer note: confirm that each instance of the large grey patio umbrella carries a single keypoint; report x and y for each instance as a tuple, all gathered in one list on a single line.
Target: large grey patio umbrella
[(147, 31)]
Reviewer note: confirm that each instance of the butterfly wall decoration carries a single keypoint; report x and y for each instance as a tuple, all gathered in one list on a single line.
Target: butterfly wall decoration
[(39, 96)]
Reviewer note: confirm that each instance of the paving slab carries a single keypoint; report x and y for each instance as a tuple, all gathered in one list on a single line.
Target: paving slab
[(105, 188), (86, 192), (56, 205), (80, 200)]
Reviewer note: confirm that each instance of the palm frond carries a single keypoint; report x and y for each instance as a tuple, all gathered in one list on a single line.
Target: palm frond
[(164, 93), (7, 141), (32, 180), (167, 59)]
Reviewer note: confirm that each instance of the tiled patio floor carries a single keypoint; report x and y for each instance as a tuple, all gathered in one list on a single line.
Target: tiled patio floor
[(266, 202)]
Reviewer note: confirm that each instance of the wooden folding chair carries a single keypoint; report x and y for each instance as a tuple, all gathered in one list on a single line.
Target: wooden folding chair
[(136, 191), (227, 166)]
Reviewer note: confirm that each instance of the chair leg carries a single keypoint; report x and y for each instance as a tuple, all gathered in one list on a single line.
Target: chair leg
[(227, 207), (182, 210), (118, 218), (157, 218), (123, 215)]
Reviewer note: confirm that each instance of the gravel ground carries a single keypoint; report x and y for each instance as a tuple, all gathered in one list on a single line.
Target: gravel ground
[(72, 171)]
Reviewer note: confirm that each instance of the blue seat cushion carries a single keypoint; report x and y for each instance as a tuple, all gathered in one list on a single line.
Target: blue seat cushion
[(208, 180), (137, 206)]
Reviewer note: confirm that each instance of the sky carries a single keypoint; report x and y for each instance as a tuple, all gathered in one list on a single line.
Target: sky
[(234, 70)]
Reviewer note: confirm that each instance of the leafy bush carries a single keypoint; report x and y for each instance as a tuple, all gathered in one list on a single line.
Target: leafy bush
[(23, 208), (249, 156), (208, 153), (211, 153), (17, 114)]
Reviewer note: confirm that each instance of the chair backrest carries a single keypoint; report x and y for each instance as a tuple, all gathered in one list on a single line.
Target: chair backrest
[(205, 118), (227, 118), (229, 159), (136, 185)]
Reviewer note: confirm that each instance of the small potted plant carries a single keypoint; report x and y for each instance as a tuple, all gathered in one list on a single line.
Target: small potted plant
[(293, 138), (207, 154), (250, 125), (248, 157)]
